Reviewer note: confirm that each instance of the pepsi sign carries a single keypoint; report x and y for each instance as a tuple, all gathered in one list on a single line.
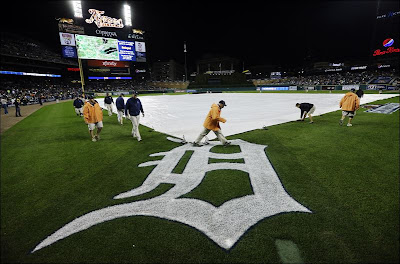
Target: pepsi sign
[(387, 43)]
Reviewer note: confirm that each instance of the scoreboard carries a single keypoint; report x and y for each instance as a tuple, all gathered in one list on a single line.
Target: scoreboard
[(101, 35), (97, 48)]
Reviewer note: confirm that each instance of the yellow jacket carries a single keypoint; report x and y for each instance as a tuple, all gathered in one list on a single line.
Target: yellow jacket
[(213, 118), (92, 113), (350, 102)]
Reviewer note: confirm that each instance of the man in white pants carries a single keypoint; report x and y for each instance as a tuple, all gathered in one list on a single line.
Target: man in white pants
[(212, 123), (133, 107), (78, 105), (108, 101), (120, 104)]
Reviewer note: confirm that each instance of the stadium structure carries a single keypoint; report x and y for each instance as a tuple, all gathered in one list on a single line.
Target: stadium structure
[(283, 191)]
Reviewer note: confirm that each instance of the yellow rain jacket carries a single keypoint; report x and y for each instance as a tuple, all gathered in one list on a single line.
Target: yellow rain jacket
[(350, 102), (213, 118), (92, 113)]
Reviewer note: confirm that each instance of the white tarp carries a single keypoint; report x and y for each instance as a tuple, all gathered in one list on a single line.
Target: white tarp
[(179, 115)]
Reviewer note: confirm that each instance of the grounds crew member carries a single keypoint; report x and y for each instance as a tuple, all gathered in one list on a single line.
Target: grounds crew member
[(133, 107), (78, 104), (349, 104), (306, 108), (17, 104), (120, 104), (93, 115), (212, 123), (108, 101)]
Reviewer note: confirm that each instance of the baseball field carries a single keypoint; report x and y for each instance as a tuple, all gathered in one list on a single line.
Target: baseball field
[(53, 176)]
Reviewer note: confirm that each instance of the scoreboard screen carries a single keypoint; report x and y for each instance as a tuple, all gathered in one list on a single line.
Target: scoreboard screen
[(99, 48)]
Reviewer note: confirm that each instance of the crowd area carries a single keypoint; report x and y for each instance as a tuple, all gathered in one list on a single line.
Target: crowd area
[(33, 90), (341, 78), (22, 47)]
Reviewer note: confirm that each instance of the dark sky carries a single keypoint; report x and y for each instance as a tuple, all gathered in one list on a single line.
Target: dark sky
[(267, 32)]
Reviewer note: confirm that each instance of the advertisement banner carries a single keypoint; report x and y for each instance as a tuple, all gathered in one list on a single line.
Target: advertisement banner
[(105, 63), (141, 56), (375, 87), (67, 39), (279, 88), (73, 29), (134, 36), (349, 87), (328, 87), (126, 50), (140, 46), (69, 52)]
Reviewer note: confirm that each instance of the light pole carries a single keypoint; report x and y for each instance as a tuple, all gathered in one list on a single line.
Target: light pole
[(184, 50)]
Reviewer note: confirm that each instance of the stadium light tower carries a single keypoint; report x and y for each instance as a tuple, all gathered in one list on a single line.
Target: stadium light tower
[(77, 8), (128, 16)]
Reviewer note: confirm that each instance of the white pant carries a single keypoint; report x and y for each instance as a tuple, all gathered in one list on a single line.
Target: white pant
[(204, 133), (135, 126), (120, 114), (109, 108), (79, 111)]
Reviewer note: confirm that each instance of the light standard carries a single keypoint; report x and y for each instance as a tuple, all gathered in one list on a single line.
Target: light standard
[(184, 50)]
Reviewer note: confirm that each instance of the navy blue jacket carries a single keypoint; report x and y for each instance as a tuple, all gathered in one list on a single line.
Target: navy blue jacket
[(119, 103), (305, 107), (78, 103), (134, 106), (108, 100)]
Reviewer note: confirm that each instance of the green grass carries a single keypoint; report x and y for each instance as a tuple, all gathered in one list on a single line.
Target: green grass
[(51, 173)]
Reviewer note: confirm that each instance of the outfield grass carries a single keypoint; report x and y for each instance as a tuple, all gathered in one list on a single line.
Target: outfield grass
[(52, 173)]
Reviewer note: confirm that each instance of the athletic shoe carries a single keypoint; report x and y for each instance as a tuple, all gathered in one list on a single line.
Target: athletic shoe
[(227, 143), (341, 122), (311, 122), (196, 144), (349, 125), (97, 137), (139, 140), (94, 139)]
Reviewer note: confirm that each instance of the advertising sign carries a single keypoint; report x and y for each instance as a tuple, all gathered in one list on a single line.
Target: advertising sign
[(140, 46), (67, 39), (126, 50), (140, 56), (69, 52), (67, 28), (375, 87), (104, 63), (387, 43), (279, 88), (350, 86)]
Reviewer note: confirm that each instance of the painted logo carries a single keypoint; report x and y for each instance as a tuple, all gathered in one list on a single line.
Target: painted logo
[(224, 224), (388, 42)]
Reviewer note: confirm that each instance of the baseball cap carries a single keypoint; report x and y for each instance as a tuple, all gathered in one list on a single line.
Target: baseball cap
[(223, 102)]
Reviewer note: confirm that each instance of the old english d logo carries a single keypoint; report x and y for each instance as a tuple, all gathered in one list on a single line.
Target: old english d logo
[(224, 224)]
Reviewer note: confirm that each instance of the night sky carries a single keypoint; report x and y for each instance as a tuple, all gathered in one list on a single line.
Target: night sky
[(279, 33)]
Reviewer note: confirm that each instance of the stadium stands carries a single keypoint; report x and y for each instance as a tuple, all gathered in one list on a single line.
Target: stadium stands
[(345, 78)]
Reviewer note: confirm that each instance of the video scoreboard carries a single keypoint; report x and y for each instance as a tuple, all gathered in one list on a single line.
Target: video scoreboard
[(99, 35)]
